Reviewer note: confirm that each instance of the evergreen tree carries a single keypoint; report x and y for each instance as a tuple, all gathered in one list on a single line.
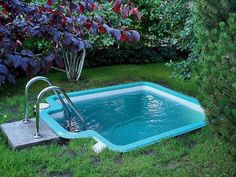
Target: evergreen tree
[(215, 30)]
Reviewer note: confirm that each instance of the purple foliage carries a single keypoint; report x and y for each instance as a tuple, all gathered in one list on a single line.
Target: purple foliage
[(6, 75), (62, 22), (3, 69)]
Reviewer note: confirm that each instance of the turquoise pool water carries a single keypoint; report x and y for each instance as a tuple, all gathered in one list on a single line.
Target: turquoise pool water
[(131, 117), (128, 116)]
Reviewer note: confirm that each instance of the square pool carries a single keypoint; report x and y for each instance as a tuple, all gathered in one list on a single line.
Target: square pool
[(128, 116)]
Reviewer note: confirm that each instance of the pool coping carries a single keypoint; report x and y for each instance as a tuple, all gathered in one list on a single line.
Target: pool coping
[(60, 131)]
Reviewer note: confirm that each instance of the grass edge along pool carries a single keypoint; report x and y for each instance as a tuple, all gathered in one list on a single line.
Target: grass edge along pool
[(170, 94)]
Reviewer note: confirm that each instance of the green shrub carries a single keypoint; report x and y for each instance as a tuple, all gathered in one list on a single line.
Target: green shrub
[(166, 30), (38, 45), (166, 22), (216, 34), (131, 55)]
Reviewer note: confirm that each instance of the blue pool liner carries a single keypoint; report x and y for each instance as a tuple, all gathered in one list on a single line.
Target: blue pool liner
[(59, 130)]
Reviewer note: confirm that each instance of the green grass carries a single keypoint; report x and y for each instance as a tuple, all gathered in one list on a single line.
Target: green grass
[(199, 153)]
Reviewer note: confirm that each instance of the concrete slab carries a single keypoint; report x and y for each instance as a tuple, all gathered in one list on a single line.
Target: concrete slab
[(20, 135)]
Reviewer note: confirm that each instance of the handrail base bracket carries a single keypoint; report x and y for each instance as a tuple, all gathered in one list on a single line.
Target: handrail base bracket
[(25, 121), (37, 136)]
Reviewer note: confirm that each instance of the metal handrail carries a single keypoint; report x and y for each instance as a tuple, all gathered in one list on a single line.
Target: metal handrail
[(29, 83), (58, 90)]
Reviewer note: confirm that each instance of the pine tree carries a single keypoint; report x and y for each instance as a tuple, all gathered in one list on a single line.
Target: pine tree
[(215, 30)]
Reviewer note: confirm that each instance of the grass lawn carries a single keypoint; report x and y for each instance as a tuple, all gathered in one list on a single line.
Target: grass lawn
[(199, 153)]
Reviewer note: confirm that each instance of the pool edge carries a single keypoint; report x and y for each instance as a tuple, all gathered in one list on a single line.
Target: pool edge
[(93, 134)]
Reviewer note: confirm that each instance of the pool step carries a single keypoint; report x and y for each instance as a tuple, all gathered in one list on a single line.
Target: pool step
[(20, 135), (99, 147)]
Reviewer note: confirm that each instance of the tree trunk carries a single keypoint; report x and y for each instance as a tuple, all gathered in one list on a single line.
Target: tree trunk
[(74, 63)]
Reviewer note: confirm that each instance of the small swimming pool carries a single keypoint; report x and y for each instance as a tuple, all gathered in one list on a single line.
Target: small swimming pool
[(129, 116)]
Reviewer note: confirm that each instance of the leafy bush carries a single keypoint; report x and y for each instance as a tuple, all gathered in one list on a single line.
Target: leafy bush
[(112, 19), (166, 22), (38, 45), (13, 32), (216, 34), (132, 55), (65, 23), (165, 25), (112, 56), (170, 23), (176, 29)]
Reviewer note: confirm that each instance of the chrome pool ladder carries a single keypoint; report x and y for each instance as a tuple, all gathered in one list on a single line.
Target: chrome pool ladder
[(57, 91)]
